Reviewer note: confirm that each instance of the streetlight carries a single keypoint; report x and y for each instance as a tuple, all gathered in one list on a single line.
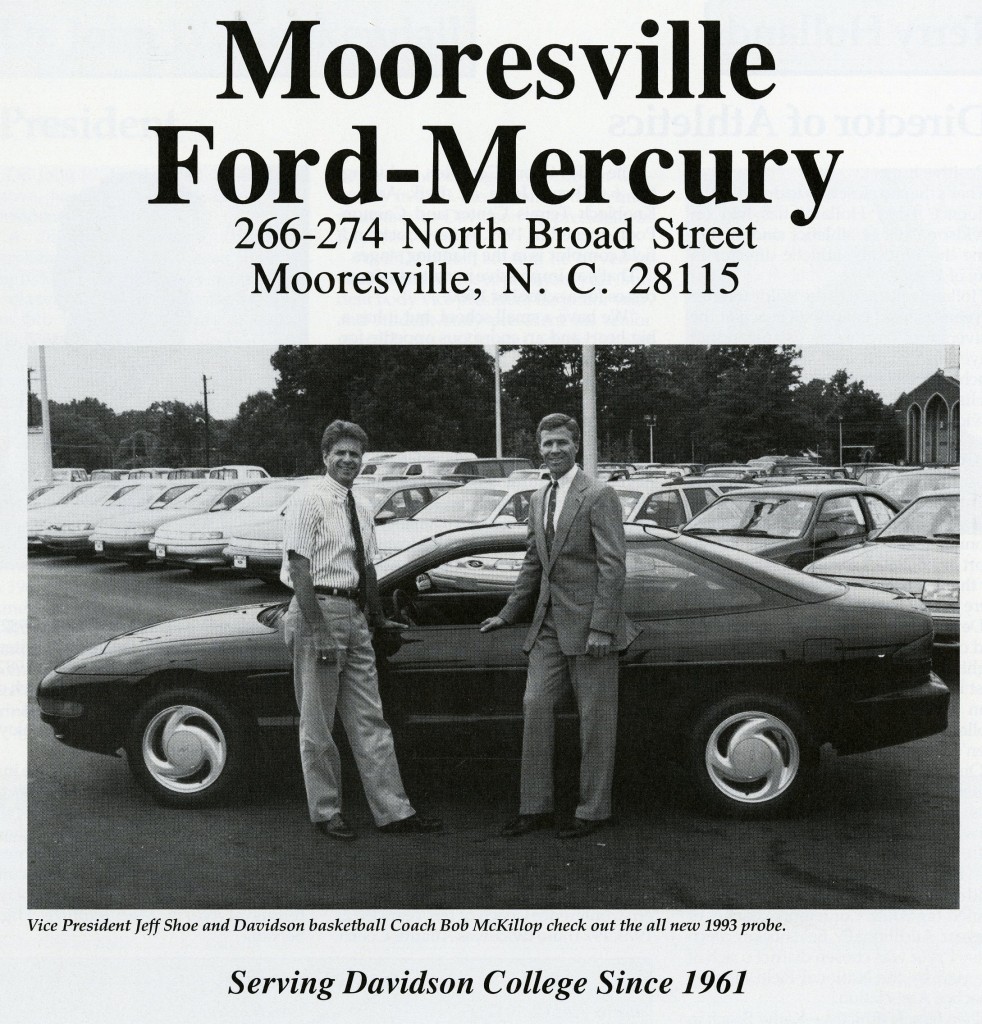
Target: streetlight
[(650, 420), (840, 440)]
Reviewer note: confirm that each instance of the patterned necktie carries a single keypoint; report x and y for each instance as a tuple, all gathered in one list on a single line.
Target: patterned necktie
[(359, 551), (551, 516)]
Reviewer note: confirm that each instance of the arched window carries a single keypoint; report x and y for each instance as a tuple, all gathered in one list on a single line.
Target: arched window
[(936, 426), (914, 453)]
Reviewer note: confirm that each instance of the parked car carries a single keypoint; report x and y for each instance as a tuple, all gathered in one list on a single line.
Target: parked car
[(125, 537), (188, 473), (257, 548), (918, 552), (67, 527), (473, 504), (148, 473), (237, 473), (410, 463), (106, 474), (742, 671), (74, 504), (667, 501), (197, 542), (794, 524), (74, 475), (905, 487)]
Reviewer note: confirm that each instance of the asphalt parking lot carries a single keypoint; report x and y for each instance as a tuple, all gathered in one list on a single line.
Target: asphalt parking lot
[(882, 831)]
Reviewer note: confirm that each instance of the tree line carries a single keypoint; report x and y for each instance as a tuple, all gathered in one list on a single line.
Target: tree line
[(689, 403)]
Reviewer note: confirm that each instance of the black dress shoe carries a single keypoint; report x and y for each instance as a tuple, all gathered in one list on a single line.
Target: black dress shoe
[(414, 823), (336, 828), (580, 827), (526, 823)]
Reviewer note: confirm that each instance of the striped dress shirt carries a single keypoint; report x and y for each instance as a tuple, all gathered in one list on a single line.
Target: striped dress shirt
[(317, 527)]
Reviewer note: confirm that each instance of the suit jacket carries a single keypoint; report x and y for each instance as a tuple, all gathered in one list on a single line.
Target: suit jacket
[(582, 577)]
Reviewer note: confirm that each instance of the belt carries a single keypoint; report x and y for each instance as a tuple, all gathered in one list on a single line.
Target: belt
[(349, 592)]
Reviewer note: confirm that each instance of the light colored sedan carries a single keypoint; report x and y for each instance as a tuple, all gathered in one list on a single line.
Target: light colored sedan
[(475, 504), (125, 536), (73, 514), (918, 552), (257, 548)]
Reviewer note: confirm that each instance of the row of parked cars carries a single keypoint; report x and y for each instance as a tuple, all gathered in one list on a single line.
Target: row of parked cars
[(842, 529)]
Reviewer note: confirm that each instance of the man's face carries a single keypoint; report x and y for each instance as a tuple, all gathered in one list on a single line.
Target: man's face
[(558, 451), (343, 461)]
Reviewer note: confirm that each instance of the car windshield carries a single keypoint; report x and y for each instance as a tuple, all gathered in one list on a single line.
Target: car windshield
[(755, 515), (142, 494), (196, 497), (38, 491), (908, 486), (933, 519), (269, 498), (463, 505), (374, 496), (79, 495), (628, 500)]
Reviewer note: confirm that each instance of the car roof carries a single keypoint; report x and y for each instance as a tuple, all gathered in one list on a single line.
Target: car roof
[(809, 488)]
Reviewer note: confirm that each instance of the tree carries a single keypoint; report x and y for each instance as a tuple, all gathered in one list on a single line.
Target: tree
[(263, 433)]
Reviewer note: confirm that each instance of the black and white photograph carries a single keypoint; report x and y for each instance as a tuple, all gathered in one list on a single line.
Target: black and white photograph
[(492, 483)]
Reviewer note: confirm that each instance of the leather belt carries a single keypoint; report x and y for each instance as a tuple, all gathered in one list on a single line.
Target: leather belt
[(349, 592)]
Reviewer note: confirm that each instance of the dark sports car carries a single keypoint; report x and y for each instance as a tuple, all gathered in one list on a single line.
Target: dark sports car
[(743, 669)]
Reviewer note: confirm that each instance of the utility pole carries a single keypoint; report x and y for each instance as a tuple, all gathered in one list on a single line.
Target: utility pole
[(204, 386), (497, 402), (840, 440), (590, 409)]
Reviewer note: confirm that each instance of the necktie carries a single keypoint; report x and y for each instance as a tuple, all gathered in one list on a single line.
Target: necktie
[(551, 516), (359, 550)]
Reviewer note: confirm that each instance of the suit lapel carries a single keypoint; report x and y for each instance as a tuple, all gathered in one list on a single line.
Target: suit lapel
[(571, 505)]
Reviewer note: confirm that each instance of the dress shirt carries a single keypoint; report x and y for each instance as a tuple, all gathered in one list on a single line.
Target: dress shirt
[(563, 485), (318, 527)]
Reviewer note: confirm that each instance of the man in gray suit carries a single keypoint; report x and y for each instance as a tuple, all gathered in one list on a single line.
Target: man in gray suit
[(573, 576)]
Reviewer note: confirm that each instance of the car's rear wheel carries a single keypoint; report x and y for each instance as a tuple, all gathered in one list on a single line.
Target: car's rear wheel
[(752, 756), (188, 748)]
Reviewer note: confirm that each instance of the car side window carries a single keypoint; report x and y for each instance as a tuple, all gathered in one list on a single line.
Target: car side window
[(698, 498), (844, 515), (518, 506), (879, 511), (664, 581), (663, 509)]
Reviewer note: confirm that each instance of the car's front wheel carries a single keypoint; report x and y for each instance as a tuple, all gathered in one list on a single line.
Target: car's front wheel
[(188, 748), (751, 756)]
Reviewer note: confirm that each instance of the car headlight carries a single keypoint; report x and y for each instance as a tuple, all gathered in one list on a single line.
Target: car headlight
[(946, 593), (213, 535), (59, 707), (74, 527)]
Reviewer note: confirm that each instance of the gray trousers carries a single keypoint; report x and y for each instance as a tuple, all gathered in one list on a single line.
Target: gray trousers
[(347, 683), (594, 683)]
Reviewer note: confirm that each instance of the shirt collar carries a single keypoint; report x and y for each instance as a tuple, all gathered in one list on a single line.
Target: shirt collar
[(334, 488), (566, 479)]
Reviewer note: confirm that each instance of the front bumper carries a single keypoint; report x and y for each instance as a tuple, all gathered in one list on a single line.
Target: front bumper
[(891, 718)]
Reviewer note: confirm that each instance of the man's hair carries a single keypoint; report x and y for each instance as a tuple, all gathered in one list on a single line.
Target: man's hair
[(340, 430), (558, 421)]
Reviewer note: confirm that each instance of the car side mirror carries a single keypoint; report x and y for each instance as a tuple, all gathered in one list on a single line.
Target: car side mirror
[(385, 517), (505, 517)]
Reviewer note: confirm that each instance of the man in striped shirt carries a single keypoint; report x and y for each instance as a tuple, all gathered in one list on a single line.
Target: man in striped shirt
[(328, 549)]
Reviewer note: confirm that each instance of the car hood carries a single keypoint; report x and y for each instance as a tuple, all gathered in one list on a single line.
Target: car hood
[(886, 561), (229, 639), (148, 518)]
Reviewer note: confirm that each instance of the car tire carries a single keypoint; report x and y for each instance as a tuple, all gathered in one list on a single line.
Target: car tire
[(752, 756), (188, 748)]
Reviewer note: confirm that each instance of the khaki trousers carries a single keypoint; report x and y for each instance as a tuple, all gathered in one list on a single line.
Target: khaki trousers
[(346, 683)]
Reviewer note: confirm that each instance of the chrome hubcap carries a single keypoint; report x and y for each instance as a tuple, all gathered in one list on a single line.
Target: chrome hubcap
[(752, 757), (184, 749)]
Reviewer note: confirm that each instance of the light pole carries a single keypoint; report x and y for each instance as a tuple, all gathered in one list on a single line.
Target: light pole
[(651, 419), (840, 441)]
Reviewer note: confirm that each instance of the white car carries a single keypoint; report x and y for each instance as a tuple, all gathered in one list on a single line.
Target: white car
[(474, 504)]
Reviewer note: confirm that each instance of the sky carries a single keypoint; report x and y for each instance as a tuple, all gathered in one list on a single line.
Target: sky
[(128, 377)]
